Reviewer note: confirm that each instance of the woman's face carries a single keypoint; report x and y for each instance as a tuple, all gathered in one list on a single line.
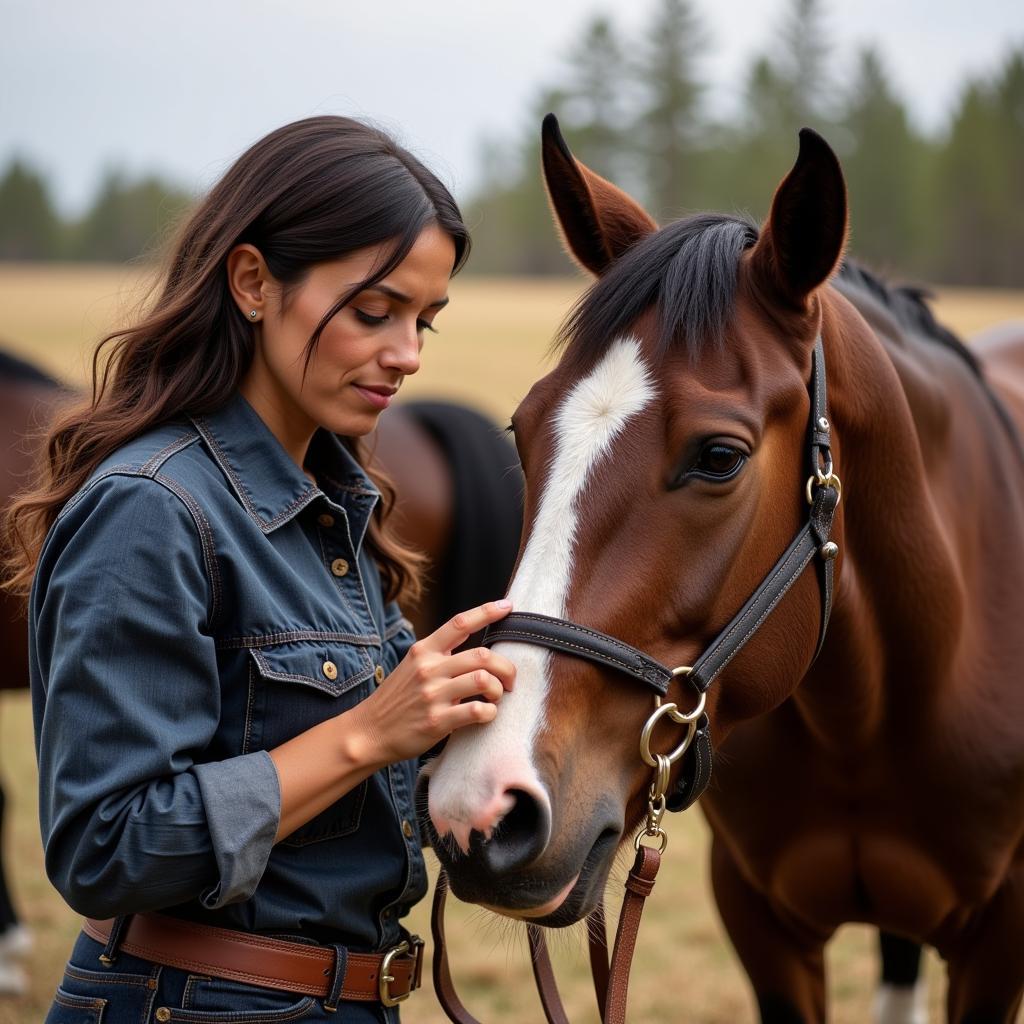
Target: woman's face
[(365, 351)]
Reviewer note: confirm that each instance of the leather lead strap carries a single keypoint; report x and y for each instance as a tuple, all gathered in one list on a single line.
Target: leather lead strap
[(611, 982), (597, 944), (443, 984), (544, 976)]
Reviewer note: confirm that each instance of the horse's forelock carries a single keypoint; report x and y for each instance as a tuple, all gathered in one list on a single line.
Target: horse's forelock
[(686, 271)]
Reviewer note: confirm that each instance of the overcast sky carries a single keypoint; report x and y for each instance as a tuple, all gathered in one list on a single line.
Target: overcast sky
[(182, 87)]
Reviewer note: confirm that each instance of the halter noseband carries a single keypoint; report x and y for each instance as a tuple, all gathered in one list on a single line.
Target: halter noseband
[(823, 491)]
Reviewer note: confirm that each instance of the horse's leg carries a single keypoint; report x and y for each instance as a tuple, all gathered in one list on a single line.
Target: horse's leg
[(986, 969), (8, 918), (12, 937), (786, 968), (902, 996)]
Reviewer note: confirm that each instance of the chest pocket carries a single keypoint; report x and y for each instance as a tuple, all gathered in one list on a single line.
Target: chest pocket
[(295, 686)]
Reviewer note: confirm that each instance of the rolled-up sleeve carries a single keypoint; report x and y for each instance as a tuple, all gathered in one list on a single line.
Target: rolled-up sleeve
[(127, 699)]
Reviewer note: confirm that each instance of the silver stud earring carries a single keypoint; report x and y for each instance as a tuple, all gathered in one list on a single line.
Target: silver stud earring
[(252, 313)]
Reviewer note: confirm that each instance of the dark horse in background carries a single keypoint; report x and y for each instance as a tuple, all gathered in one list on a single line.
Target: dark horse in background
[(459, 500), (666, 460)]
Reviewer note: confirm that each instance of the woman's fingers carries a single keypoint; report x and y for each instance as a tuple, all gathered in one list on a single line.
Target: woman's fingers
[(481, 658), (470, 684), (461, 627), (474, 712)]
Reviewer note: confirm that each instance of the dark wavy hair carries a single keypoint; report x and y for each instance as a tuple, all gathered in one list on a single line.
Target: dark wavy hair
[(312, 191)]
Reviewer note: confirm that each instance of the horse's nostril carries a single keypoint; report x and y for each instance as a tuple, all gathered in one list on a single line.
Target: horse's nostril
[(520, 837)]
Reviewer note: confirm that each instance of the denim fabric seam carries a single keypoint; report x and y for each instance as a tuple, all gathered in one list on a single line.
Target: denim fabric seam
[(298, 1010), (221, 459), (186, 995), (122, 469), (247, 734), (392, 631), (366, 603), (408, 858), (296, 635), (290, 511), (205, 539), (72, 1002), (335, 689), (338, 587), (135, 980), (267, 526), (152, 465), (157, 973)]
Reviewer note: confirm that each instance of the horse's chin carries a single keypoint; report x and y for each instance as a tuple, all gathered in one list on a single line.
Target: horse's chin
[(575, 900)]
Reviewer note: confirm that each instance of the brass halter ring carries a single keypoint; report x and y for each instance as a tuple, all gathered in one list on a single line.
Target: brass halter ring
[(662, 763), (687, 718), (828, 479)]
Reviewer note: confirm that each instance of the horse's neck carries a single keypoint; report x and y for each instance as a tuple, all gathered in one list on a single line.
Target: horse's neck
[(914, 439)]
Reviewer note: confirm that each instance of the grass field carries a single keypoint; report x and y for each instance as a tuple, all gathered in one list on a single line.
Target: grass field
[(492, 345)]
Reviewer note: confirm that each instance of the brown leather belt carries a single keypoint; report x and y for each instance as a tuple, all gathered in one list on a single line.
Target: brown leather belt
[(273, 963)]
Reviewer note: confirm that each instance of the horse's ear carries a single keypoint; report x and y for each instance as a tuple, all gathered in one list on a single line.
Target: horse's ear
[(599, 221), (803, 239)]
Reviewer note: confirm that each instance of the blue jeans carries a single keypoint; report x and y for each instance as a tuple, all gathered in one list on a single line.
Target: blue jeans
[(137, 991)]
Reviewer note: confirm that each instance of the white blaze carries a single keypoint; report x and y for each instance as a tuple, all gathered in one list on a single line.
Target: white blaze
[(469, 780)]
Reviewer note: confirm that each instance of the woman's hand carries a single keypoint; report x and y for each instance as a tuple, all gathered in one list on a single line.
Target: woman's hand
[(425, 698)]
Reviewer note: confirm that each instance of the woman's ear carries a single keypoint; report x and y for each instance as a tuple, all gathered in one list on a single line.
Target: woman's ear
[(247, 278)]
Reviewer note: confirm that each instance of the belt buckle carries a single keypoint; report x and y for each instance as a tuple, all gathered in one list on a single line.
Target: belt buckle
[(414, 947)]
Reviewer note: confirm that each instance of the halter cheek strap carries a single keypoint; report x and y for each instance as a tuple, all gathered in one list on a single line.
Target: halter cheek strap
[(823, 492)]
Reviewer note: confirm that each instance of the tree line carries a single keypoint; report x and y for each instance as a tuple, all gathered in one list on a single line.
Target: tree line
[(946, 207), (127, 218)]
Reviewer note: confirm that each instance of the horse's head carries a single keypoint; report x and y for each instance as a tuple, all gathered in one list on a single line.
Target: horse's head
[(665, 461)]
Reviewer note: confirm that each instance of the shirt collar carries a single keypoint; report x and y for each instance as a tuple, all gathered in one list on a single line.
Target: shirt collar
[(270, 486)]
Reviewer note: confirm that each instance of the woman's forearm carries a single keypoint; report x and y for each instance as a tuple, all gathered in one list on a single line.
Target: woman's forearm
[(318, 767)]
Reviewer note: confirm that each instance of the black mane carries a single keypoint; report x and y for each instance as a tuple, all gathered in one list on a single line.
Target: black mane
[(687, 271), (908, 305)]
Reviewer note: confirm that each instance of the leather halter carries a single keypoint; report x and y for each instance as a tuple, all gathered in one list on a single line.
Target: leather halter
[(823, 492)]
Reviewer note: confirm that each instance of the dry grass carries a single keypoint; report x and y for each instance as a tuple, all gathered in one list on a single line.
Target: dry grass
[(493, 344)]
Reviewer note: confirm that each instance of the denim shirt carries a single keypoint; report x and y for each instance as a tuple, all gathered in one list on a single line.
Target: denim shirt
[(197, 603)]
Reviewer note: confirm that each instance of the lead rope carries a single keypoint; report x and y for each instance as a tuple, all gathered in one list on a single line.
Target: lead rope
[(611, 979)]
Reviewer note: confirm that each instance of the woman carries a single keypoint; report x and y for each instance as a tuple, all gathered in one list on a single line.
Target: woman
[(228, 703)]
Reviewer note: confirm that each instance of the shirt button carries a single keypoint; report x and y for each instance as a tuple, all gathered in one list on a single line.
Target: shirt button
[(378, 674), (406, 828), (162, 1014), (339, 567), (330, 670), (325, 520)]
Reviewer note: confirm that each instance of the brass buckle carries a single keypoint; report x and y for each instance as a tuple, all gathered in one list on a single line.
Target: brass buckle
[(413, 946)]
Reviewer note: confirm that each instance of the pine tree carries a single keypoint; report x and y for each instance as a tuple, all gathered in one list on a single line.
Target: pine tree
[(29, 226), (592, 103), (803, 67), (783, 94), (885, 167), (671, 122), (127, 219)]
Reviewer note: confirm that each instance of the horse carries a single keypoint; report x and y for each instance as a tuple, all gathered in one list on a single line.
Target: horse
[(458, 501), (748, 438)]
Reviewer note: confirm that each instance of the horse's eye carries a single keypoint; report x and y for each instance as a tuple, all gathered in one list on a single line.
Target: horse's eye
[(718, 461)]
